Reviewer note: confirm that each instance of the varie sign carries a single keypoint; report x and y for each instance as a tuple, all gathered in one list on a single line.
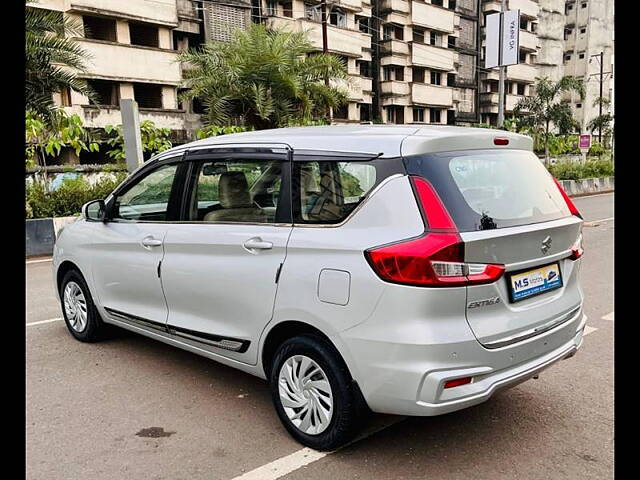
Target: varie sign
[(585, 142), (502, 39)]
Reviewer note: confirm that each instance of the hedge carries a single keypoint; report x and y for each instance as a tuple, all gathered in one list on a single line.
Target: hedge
[(577, 170), (67, 200)]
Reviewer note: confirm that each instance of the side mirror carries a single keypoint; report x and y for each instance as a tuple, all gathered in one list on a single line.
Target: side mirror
[(94, 211)]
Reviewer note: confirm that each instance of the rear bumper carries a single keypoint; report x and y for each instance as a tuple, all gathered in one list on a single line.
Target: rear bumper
[(408, 378)]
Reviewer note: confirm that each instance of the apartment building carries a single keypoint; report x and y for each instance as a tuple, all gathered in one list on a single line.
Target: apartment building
[(348, 36), (587, 33)]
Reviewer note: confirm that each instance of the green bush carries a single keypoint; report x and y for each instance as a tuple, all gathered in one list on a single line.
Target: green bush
[(578, 170), (68, 199)]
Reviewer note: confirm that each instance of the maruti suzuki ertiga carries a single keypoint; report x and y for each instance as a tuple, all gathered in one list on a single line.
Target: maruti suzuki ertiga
[(409, 270)]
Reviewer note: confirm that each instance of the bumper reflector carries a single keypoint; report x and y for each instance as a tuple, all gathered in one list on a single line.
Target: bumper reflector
[(457, 382)]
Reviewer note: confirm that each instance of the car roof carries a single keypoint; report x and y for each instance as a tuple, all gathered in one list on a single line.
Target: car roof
[(383, 140)]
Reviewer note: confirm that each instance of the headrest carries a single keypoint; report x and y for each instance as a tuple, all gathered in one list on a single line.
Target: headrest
[(233, 190)]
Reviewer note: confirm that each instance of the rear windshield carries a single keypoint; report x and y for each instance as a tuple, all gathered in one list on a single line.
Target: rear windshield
[(487, 189)]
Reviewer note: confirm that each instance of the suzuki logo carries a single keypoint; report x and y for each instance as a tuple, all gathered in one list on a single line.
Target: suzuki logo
[(546, 244)]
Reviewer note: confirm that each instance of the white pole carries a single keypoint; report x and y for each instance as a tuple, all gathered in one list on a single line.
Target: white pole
[(131, 133)]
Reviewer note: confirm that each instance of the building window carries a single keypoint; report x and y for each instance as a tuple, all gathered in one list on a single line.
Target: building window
[(567, 58), (143, 34), (451, 79), (452, 4), (436, 78), (418, 35), (520, 88), (312, 12), (365, 112), (395, 114), (523, 56), (287, 9), (567, 33), (65, 97), (386, 73), (272, 8), (523, 23), (108, 93), (578, 105), (148, 95), (437, 2), (534, 27), (418, 115), (434, 115), (569, 7), (583, 5), (337, 17), (364, 68), (342, 112), (581, 55), (435, 39), (363, 24), (451, 41), (418, 74), (583, 30), (399, 74), (98, 28)]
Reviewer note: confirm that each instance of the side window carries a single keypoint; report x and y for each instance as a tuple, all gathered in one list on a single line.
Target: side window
[(148, 198), (241, 191), (327, 192)]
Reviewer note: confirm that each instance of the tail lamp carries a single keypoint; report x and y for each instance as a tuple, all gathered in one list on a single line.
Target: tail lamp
[(434, 259)]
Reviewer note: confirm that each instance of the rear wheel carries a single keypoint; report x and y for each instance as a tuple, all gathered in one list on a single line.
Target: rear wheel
[(313, 393), (78, 309)]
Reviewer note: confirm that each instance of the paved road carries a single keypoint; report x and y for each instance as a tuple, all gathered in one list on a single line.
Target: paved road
[(91, 408)]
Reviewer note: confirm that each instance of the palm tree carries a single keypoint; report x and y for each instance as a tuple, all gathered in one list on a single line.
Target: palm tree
[(602, 123), (263, 78), (52, 59), (544, 108)]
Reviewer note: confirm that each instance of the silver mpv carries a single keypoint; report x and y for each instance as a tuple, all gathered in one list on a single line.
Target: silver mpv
[(409, 270)]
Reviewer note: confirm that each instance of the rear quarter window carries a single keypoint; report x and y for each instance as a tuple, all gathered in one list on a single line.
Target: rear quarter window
[(488, 189)]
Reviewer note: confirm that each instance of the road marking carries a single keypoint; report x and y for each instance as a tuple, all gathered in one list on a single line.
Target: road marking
[(588, 330), (43, 321), (609, 317), (592, 196), (39, 261), (303, 457), (595, 223)]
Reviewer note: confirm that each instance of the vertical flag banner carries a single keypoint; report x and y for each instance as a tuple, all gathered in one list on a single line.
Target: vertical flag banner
[(492, 52), (510, 37)]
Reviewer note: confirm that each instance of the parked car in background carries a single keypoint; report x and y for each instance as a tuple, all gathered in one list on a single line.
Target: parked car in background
[(410, 270)]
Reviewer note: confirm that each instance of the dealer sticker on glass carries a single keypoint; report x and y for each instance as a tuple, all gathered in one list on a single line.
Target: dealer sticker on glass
[(534, 282)]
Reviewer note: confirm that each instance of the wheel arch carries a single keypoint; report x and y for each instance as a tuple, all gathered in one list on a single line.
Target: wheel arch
[(65, 267)]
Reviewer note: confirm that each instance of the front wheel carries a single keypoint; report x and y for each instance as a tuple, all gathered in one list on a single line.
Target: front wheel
[(313, 393), (80, 314)]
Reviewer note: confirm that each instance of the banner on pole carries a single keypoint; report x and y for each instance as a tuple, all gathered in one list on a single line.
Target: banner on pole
[(502, 39)]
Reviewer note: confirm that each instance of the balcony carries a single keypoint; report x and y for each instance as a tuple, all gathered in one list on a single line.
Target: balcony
[(492, 6), (162, 12), (429, 16), (394, 88), (353, 5), (394, 47), (354, 86), (340, 40), (434, 57), (512, 101), (125, 62), (528, 40), (99, 118), (432, 95), (401, 6), (523, 72), (528, 8)]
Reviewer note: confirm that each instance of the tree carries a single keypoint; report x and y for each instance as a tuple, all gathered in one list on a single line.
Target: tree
[(153, 139), (544, 108), (51, 59), (263, 78), (47, 138), (602, 123)]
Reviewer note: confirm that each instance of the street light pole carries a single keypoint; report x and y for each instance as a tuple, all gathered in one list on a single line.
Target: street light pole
[(600, 102), (503, 74)]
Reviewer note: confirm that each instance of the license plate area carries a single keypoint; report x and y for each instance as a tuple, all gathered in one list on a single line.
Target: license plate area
[(536, 281)]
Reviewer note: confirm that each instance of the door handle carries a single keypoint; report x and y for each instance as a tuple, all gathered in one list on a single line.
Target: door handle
[(256, 243), (151, 242)]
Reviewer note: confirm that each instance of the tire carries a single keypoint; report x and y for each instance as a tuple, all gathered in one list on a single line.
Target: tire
[(344, 404), (92, 328)]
